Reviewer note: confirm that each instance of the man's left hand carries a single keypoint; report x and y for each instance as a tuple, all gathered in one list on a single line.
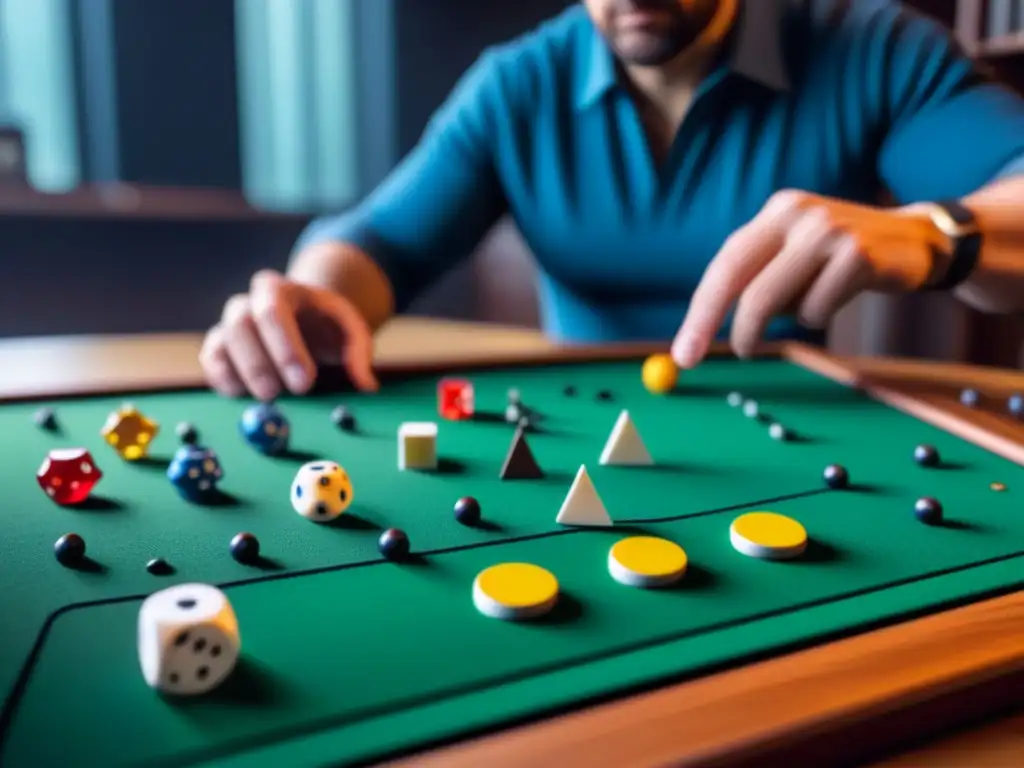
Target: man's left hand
[(805, 255)]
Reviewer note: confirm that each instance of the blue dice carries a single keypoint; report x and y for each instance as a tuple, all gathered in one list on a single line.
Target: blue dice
[(265, 428), (195, 472)]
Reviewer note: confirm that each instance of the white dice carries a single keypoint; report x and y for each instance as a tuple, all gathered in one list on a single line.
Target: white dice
[(417, 445), (188, 639), (321, 491)]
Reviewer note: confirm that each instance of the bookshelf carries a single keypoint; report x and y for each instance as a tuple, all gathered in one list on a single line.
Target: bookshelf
[(991, 30)]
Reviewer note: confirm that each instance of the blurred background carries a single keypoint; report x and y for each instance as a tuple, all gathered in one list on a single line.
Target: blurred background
[(154, 153)]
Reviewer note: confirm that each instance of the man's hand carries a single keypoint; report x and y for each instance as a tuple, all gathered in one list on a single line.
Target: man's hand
[(807, 255), (272, 339)]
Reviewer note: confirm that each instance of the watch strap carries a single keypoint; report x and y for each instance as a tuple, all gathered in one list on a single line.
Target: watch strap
[(966, 247)]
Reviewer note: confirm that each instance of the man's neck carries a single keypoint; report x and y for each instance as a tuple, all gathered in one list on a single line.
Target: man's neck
[(669, 88)]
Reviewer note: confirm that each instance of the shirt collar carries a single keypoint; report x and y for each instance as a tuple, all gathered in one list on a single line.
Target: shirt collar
[(755, 51)]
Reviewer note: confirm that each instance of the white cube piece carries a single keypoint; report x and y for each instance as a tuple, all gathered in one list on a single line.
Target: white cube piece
[(417, 445), (188, 639)]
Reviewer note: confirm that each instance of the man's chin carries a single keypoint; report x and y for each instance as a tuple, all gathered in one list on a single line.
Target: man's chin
[(650, 52)]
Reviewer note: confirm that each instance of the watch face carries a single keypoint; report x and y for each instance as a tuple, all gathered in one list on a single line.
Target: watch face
[(953, 219)]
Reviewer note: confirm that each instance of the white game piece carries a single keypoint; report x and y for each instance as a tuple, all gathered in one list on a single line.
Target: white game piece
[(625, 447), (735, 399), (188, 639), (321, 491), (417, 445), (751, 408), (582, 506)]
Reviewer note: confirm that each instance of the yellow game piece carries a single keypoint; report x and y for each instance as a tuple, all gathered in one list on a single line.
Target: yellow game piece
[(417, 445), (659, 374), (515, 591), (646, 561), (129, 432), (998, 487), (768, 535)]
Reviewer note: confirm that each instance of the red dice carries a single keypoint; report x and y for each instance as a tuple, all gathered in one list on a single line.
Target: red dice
[(455, 399), (68, 475)]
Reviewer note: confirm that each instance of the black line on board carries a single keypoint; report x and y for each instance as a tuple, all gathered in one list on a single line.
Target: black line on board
[(21, 682)]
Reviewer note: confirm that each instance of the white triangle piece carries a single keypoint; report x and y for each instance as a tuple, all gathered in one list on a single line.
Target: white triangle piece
[(625, 447), (582, 505)]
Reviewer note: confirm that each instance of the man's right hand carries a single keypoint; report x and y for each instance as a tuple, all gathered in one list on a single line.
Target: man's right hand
[(272, 339)]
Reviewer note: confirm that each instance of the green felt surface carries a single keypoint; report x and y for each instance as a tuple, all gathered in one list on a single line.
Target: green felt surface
[(364, 657)]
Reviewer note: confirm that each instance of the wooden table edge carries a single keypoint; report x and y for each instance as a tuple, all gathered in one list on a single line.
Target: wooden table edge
[(830, 702), (809, 357)]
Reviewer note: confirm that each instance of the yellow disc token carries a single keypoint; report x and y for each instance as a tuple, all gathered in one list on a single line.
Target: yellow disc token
[(659, 374), (768, 535), (515, 591), (998, 487), (646, 561)]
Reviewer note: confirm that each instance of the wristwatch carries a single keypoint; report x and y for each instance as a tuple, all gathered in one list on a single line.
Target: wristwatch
[(954, 220)]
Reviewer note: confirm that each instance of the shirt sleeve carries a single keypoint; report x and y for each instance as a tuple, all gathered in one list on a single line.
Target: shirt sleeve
[(947, 128), (439, 202)]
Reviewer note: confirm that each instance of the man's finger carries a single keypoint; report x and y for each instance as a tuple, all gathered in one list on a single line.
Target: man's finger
[(846, 275), (274, 314), (217, 366), (243, 345), (783, 280), (744, 255), (357, 356)]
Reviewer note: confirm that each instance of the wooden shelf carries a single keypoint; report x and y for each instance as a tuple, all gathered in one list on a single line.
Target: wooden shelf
[(127, 201), (998, 47)]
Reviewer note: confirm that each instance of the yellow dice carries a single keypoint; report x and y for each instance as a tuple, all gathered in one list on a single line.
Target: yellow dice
[(129, 432)]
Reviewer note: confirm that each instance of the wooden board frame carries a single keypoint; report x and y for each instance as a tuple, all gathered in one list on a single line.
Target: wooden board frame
[(839, 703)]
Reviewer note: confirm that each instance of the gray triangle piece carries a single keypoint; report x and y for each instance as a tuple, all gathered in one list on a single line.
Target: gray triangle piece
[(520, 463)]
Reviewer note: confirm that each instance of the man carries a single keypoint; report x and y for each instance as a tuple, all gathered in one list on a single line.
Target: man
[(680, 169)]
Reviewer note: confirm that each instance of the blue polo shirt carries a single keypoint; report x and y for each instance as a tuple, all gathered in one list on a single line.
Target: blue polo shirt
[(850, 99)]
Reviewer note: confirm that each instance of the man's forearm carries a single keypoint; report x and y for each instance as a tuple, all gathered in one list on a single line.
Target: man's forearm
[(997, 284), (349, 271)]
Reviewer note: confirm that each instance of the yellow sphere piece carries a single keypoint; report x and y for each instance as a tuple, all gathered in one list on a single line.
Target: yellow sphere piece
[(659, 374)]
